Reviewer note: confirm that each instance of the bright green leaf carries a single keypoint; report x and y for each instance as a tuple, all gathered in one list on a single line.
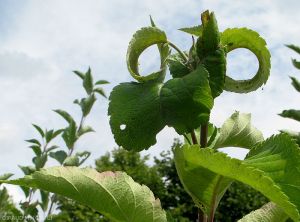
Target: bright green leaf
[(195, 30), (246, 38), (141, 40), (269, 212), (291, 113), (114, 195), (177, 66), (186, 102), (237, 131)]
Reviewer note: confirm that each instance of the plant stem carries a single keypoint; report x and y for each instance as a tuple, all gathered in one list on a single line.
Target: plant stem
[(184, 57), (194, 138), (201, 216), (203, 135)]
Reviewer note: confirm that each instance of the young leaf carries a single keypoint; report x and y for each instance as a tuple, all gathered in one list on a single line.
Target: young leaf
[(88, 82), (246, 38), (49, 135), (237, 131), (5, 176), (186, 102), (271, 168), (100, 91), (65, 115), (79, 74), (70, 135), (83, 156), (135, 114), (27, 170), (39, 129), (295, 83), (40, 161), (36, 149), (101, 82), (52, 148), (45, 200), (85, 129), (291, 113), (141, 40), (177, 66), (269, 212), (114, 195), (195, 30), (60, 156), (296, 63), (295, 48), (34, 141), (87, 104), (71, 161)]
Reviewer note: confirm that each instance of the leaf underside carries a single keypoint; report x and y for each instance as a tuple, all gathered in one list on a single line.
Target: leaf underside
[(114, 195), (272, 168)]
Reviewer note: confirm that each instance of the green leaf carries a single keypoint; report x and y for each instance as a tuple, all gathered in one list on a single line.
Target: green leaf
[(141, 40), (34, 141), (49, 135), (36, 149), (5, 176), (65, 115), (60, 156), (186, 102), (135, 114), (269, 212), (27, 170), (88, 82), (295, 83), (246, 38), (296, 63), (101, 82), (177, 66), (115, 195), (79, 74), (100, 91), (45, 200), (71, 161), (272, 168), (195, 30), (291, 113), (83, 156), (70, 135), (39, 129), (295, 48), (237, 131), (85, 129), (52, 148), (87, 104), (40, 161), (57, 132), (293, 134)]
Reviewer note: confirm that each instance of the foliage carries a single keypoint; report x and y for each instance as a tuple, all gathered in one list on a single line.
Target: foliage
[(140, 110)]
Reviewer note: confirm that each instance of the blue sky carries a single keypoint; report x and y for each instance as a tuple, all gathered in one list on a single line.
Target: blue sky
[(41, 42)]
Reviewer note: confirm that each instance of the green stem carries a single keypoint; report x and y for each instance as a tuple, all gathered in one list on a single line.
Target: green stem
[(184, 57)]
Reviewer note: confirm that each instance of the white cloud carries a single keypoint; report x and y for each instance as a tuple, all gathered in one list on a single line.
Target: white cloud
[(42, 42)]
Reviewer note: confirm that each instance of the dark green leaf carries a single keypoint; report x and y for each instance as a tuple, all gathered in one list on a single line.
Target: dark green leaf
[(5, 176), (83, 156), (70, 135), (39, 129), (291, 113), (36, 149), (100, 82), (34, 141), (57, 132), (295, 48), (49, 135), (135, 114), (296, 63), (186, 102), (88, 82), (27, 170), (100, 91), (295, 83), (65, 115), (44, 199), (52, 148), (60, 156), (79, 74), (177, 66), (87, 104), (40, 161)]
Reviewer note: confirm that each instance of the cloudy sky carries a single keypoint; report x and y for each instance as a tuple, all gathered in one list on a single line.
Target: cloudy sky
[(41, 42)]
